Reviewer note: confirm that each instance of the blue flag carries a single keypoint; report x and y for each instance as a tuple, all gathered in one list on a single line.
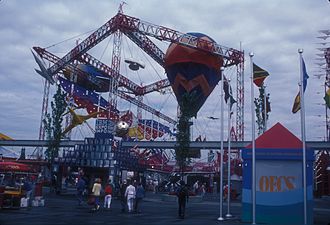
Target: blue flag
[(296, 104)]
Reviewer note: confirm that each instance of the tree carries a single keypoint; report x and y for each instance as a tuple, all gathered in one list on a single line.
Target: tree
[(183, 136), (53, 127), (260, 107)]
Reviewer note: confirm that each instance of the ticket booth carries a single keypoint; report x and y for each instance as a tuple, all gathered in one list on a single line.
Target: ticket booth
[(279, 179), (11, 177)]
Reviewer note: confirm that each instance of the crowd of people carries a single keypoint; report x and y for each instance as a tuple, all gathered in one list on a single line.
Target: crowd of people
[(199, 188), (131, 194)]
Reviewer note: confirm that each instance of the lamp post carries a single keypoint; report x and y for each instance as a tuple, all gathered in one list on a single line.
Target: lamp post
[(220, 218), (265, 109), (253, 146), (228, 215), (303, 131)]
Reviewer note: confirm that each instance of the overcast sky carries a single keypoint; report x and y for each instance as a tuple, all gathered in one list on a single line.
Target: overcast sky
[(273, 30)]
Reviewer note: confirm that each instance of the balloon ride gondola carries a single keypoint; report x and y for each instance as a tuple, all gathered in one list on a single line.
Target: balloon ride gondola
[(134, 65), (121, 128)]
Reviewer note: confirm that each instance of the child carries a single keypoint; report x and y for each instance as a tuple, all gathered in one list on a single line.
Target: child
[(108, 195)]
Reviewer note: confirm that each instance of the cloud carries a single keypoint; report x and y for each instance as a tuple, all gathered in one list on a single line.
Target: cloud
[(272, 30)]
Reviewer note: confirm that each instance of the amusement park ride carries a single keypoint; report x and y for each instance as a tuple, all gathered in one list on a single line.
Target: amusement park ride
[(85, 78)]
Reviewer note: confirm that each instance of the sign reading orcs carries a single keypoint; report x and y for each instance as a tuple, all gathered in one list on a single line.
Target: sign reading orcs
[(276, 183), (278, 176)]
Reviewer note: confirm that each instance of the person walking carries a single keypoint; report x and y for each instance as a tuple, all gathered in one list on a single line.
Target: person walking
[(96, 191), (195, 187), (140, 194), (123, 200), (130, 194), (225, 192), (108, 195), (183, 196), (28, 188), (203, 189), (81, 185)]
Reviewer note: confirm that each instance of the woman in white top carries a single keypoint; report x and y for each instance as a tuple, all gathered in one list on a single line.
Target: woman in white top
[(97, 192), (130, 195)]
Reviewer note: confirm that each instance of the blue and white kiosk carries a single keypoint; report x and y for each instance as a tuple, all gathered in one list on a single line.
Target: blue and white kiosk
[(279, 179)]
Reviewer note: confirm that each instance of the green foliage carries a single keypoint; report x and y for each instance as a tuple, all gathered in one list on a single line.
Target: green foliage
[(183, 139), (183, 135), (260, 106), (53, 124)]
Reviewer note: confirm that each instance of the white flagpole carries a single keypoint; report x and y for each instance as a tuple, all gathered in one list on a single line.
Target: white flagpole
[(265, 109), (228, 215), (253, 146), (303, 135), (221, 151)]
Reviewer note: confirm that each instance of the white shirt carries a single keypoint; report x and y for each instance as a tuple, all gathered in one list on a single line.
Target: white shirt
[(130, 192), (195, 186), (96, 189)]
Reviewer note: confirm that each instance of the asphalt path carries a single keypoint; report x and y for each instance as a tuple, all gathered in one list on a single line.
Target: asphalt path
[(64, 209)]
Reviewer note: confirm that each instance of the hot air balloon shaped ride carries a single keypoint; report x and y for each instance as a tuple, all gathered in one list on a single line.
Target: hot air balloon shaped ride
[(193, 73)]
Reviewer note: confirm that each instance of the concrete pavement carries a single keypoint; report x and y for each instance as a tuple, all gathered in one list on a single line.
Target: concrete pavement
[(63, 209)]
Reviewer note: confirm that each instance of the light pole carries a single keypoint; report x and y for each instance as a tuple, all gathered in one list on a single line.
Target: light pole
[(220, 218), (303, 130), (228, 215), (253, 146), (265, 109)]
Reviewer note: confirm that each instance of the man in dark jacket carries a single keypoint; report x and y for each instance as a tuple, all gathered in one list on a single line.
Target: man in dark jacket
[(140, 193), (183, 196), (123, 200), (81, 185)]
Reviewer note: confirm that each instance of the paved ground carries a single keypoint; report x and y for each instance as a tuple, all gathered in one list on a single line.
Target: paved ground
[(64, 210)]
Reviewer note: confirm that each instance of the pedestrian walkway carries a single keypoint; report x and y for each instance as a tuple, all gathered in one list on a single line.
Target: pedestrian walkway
[(64, 209)]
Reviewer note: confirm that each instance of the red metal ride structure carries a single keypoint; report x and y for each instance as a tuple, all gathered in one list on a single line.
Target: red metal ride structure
[(140, 32)]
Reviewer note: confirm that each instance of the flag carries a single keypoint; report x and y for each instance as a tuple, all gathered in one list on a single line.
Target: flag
[(296, 104), (268, 109), (259, 75), (226, 89), (228, 93), (233, 135), (327, 98), (232, 102)]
